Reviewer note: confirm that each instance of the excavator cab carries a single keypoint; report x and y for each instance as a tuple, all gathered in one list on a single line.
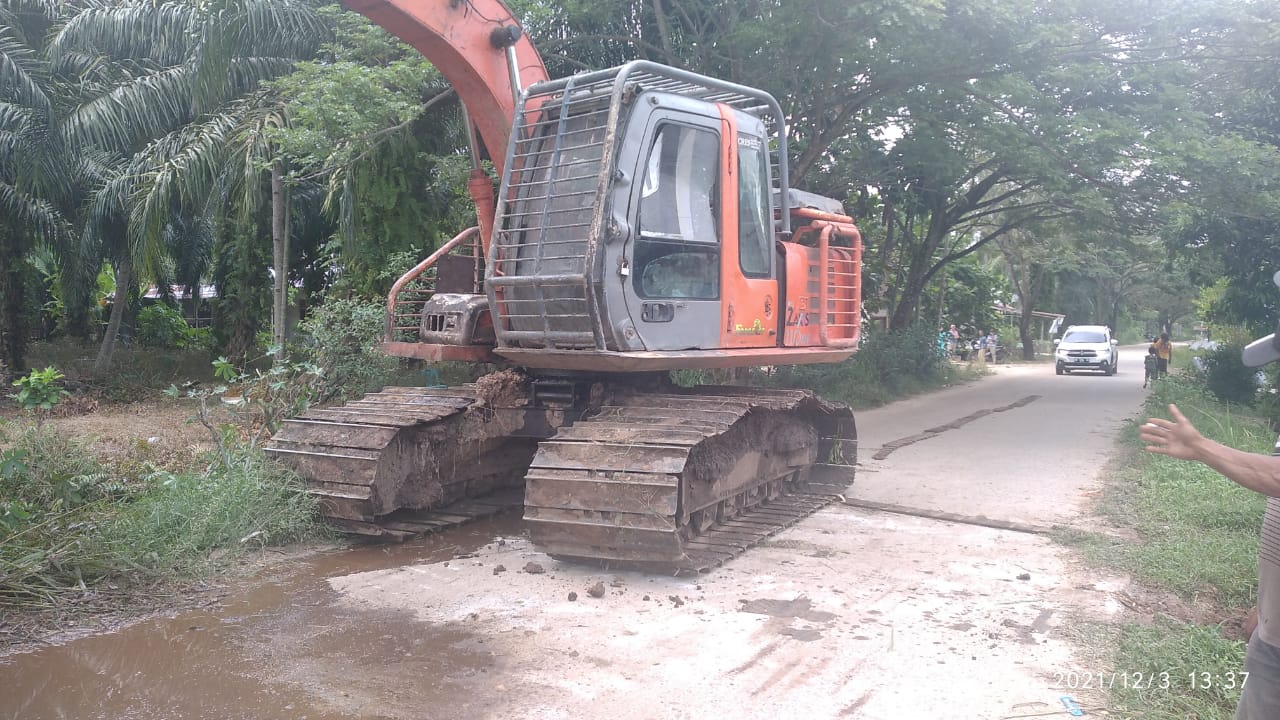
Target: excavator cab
[(701, 229), (637, 228)]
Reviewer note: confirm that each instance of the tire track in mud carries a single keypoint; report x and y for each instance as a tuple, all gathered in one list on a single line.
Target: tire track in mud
[(887, 449)]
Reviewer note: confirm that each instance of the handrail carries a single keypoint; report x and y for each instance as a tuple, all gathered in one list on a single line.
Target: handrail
[(393, 299), (827, 227)]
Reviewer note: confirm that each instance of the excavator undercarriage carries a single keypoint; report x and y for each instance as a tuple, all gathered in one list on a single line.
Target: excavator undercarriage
[(628, 471)]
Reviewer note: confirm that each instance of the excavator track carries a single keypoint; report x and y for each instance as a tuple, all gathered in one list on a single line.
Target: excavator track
[(689, 480), (408, 460), (615, 472)]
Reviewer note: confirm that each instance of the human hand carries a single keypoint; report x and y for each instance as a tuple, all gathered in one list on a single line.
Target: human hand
[(1250, 623), (1176, 438)]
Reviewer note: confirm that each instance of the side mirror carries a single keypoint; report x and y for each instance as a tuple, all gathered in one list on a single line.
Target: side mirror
[(1056, 341), (1115, 341)]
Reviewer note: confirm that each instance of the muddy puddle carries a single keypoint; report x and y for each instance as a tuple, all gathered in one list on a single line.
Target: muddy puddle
[(277, 648)]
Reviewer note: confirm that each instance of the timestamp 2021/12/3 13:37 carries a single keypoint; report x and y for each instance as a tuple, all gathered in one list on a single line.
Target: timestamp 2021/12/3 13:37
[(1157, 680)]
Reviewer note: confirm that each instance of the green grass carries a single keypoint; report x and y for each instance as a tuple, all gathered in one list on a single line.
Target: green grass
[(185, 521), (888, 366), (135, 370), (1198, 539), (70, 525), (1173, 656)]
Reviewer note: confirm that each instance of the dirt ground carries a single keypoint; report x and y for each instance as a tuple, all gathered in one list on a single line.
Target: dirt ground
[(933, 590), (118, 430)]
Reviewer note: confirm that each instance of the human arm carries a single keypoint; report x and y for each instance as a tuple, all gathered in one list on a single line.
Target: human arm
[(1178, 438)]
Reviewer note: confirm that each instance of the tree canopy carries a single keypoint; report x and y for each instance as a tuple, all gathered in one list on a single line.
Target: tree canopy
[(1106, 161)]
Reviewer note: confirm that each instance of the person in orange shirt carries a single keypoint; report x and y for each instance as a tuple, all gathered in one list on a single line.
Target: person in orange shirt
[(1164, 351)]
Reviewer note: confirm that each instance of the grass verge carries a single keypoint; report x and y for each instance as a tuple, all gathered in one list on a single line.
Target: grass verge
[(1197, 539), (74, 529)]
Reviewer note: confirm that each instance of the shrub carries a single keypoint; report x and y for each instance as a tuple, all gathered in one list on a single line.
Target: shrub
[(66, 524), (343, 339), (243, 501), (39, 390), (49, 470), (889, 364), (162, 326), (1227, 377)]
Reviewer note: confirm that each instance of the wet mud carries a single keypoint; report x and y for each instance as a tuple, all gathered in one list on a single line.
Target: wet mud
[(271, 650)]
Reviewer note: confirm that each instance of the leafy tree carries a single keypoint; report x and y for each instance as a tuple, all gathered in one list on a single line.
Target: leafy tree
[(1225, 218), (377, 125), (165, 88)]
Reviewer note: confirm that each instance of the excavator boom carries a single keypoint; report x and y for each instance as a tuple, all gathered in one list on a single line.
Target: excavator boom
[(467, 41)]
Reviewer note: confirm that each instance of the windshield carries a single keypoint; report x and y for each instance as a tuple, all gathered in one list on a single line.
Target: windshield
[(1084, 336)]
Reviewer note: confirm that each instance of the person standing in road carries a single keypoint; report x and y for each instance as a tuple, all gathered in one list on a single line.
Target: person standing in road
[(993, 341), (1178, 438), (982, 347), (1164, 351), (1150, 366)]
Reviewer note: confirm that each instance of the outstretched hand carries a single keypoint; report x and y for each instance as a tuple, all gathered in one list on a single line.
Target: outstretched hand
[(1176, 438)]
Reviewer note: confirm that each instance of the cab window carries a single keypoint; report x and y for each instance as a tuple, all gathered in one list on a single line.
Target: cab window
[(677, 253), (755, 221)]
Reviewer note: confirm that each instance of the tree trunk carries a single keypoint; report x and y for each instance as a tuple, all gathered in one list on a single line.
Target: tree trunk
[(920, 266), (13, 331), (1025, 333), (904, 313), (1030, 298), (192, 309), (280, 257), (124, 279), (78, 297), (244, 303), (942, 296)]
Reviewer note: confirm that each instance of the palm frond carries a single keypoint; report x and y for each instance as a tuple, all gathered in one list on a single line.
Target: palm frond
[(143, 107), (132, 29), (183, 167), (31, 215), (96, 167), (16, 16), (20, 72), (79, 65), (47, 8), (283, 27), (254, 150), (14, 117), (189, 242), (244, 74), (108, 202), (10, 151)]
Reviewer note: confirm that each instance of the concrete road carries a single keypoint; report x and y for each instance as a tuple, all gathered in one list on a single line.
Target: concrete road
[(954, 604), (852, 613)]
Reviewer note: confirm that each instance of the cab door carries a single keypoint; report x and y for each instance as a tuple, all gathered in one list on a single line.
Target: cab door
[(672, 289), (748, 261)]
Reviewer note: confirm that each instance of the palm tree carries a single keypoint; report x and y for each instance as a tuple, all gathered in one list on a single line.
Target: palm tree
[(35, 171), (170, 90)]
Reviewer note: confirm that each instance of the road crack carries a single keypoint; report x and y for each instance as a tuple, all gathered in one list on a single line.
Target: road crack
[(887, 449)]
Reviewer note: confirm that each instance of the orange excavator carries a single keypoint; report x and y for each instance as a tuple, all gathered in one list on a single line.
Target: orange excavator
[(644, 223)]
